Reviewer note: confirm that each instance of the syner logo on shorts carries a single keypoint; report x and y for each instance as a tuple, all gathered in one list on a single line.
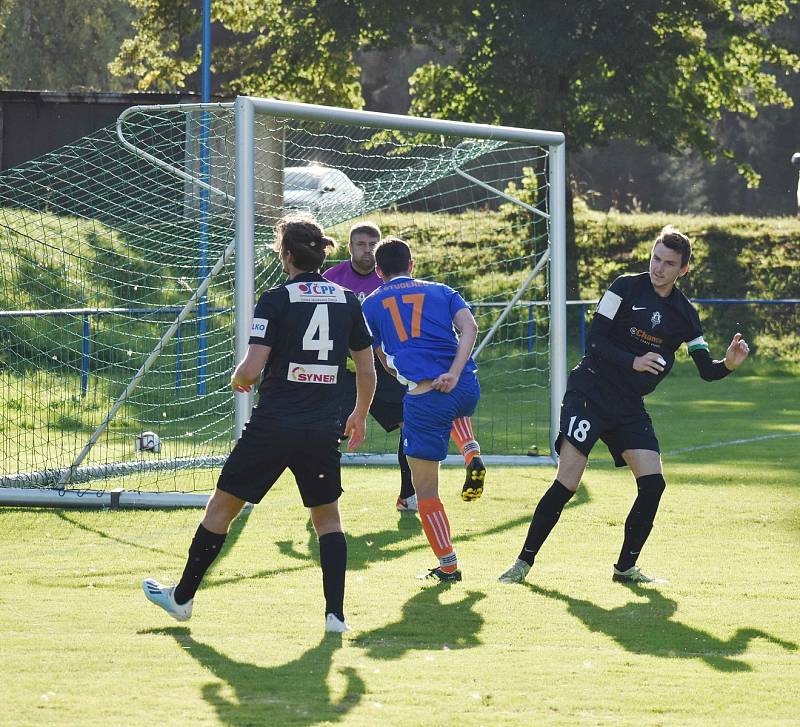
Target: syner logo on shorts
[(312, 373)]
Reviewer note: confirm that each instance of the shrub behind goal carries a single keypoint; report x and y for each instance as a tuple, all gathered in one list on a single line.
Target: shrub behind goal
[(132, 258)]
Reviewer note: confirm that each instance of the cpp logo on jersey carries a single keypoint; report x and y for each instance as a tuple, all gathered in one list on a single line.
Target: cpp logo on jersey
[(259, 327), (315, 292), (312, 373)]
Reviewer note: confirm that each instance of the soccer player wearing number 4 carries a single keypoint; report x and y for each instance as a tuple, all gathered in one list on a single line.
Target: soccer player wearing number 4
[(301, 333), (639, 324), (412, 326)]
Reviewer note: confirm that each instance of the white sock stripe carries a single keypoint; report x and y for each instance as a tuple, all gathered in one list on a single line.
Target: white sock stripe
[(439, 531), (449, 559), (434, 523), (458, 425), (445, 531), (466, 422)]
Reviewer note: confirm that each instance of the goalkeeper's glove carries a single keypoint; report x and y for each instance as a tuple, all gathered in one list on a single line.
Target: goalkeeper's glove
[(351, 365)]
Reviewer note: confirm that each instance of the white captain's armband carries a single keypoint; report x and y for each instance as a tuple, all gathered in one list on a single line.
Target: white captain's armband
[(696, 344), (609, 305), (259, 327)]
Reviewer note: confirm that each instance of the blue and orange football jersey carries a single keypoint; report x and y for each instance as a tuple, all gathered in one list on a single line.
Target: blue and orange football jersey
[(412, 322)]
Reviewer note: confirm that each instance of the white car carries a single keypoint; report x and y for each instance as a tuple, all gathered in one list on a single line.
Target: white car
[(321, 190)]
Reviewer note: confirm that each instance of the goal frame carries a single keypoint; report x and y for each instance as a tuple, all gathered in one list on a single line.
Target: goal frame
[(246, 108)]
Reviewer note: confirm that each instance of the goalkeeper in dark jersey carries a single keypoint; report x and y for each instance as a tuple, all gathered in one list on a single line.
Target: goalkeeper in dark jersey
[(301, 334), (639, 324)]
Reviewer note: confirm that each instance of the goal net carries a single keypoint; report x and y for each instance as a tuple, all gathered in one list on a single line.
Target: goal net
[(131, 258)]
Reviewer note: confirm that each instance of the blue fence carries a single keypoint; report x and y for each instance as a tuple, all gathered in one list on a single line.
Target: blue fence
[(86, 334), (530, 339)]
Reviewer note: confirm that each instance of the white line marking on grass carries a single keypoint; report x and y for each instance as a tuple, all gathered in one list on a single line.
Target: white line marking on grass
[(716, 445)]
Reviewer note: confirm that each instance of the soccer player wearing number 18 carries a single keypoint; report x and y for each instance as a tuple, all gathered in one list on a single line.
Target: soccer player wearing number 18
[(412, 325), (300, 337), (639, 324)]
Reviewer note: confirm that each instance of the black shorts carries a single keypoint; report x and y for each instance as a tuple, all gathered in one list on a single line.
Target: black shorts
[(267, 449), (621, 425), (389, 414)]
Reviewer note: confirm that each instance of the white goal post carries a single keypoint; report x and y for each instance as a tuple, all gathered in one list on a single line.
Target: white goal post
[(247, 107)]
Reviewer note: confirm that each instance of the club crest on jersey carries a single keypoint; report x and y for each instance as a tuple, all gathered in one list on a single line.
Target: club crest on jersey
[(315, 292), (312, 373), (655, 319)]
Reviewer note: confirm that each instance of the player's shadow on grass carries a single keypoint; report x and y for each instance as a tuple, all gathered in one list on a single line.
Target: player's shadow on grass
[(381, 545), (646, 627), (364, 550), (294, 693), (427, 624), (361, 549)]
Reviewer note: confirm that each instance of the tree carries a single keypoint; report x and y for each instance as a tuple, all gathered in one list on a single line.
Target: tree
[(62, 46), (300, 50), (661, 72)]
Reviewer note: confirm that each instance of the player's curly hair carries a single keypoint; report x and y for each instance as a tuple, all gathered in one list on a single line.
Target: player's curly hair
[(302, 236), (675, 240)]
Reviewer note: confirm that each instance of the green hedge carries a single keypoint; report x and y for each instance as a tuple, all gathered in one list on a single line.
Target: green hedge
[(733, 257), (45, 258)]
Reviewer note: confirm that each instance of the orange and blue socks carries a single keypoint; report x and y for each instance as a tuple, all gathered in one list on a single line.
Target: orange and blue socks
[(437, 530), (464, 437)]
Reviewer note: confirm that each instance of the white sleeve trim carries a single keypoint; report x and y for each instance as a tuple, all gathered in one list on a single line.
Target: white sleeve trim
[(609, 305), (696, 343)]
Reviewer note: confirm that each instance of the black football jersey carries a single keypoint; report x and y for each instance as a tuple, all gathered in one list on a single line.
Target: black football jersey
[(310, 324), (631, 319)]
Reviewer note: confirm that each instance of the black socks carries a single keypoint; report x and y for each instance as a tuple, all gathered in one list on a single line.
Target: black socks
[(640, 519), (203, 551), (333, 559), (544, 519), (406, 485)]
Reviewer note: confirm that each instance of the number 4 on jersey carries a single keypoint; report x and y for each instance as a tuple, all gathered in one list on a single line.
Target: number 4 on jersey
[(317, 335)]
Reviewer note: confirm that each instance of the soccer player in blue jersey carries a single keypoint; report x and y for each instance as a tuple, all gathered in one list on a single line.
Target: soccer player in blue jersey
[(412, 323), (358, 274)]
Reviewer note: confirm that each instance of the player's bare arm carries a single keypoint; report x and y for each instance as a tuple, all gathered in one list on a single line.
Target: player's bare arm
[(468, 329), (249, 369), (382, 358), (356, 426)]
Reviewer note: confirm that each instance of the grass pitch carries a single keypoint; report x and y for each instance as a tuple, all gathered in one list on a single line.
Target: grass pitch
[(719, 643)]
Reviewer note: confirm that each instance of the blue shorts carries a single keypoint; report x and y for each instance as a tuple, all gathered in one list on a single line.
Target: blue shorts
[(428, 417)]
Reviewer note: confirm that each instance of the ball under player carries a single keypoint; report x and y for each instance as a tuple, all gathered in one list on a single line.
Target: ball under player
[(412, 324), (358, 274), (639, 324), (300, 338)]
